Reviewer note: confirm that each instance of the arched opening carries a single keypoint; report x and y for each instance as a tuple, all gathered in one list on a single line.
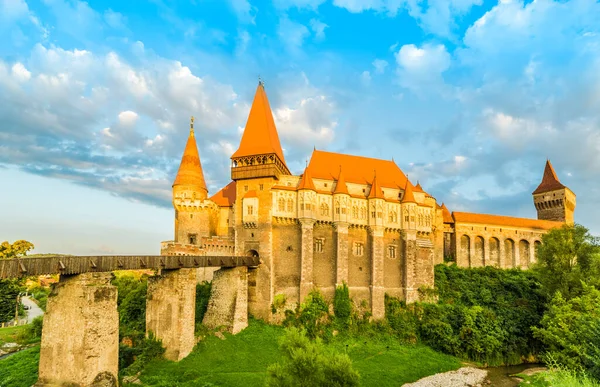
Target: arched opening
[(524, 253), (478, 259), (509, 253), (251, 253), (494, 252), (465, 250)]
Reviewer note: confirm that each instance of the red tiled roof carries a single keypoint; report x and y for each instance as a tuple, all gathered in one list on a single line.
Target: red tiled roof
[(226, 196), (250, 194), (340, 185), (498, 220), (446, 216), (357, 169), (375, 192), (550, 181), (260, 135), (408, 197), (306, 181)]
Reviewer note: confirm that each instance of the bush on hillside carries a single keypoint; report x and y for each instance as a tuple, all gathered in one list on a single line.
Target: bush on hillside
[(9, 290), (482, 314), (32, 332), (342, 306), (570, 331), (308, 363), (312, 315)]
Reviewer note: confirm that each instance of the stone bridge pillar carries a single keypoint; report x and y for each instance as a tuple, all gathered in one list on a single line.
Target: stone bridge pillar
[(228, 304), (80, 337), (170, 311)]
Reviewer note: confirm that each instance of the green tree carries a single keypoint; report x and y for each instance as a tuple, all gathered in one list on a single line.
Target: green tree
[(566, 257), (17, 249), (307, 363), (570, 330), (10, 288)]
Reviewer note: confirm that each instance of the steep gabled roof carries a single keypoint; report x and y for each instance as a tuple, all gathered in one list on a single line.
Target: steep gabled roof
[(408, 197), (306, 181), (375, 192), (260, 135), (226, 196), (418, 187), (509, 221), (446, 215), (190, 168), (550, 181), (340, 185), (357, 169)]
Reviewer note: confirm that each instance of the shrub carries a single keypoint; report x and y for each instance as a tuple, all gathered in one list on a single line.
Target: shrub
[(342, 306), (149, 349), (307, 363), (312, 315), (32, 331)]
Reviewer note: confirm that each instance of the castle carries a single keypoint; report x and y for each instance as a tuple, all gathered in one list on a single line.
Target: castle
[(347, 219)]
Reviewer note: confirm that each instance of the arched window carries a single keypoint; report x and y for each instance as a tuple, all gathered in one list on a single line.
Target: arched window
[(281, 204), (355, 212), (393, 217), (324, 209), (363, 213), (290, 205)]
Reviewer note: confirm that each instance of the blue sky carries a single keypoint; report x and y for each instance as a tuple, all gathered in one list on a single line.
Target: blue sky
[(468, 96)]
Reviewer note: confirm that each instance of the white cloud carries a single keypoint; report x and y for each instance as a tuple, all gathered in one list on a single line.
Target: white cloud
[(13, 9), (420, 68), (308, 122), (292, 34), (380, 65), (20, 72), (318, 28), (244, 10), (128, 118)]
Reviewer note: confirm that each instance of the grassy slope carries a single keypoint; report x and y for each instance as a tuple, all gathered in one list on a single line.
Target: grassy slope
[(10, 335), (20, 369), (244, 358), (557, 379)]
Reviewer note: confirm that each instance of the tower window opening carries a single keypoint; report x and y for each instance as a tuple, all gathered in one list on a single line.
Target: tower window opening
[(319, 245), (191, 216), (392, 251), (359, 249), (192, 239), (246, 188), (260, 187)]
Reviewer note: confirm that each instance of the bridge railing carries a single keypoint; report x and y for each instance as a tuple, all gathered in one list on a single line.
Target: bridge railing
[(69, 264)]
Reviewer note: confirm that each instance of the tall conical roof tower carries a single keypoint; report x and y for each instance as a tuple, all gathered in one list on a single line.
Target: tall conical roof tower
[(260, 144), (190, 169), (550, 181)]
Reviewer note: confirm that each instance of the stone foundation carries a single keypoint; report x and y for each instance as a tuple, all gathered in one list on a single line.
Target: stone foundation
[(228, 304), (170, 311), (80, 338)]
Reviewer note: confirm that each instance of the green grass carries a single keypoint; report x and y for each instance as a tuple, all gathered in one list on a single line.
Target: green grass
[(11, 335), (242, 360), (557, 378), (20, 369)]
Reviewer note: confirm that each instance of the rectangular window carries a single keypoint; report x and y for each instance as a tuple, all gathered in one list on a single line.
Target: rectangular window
[(392, 251), (246, 188), (319, 245), (337, 210), (250, 210), (373, 214), (359, 249), (260, 187), (192, 239)]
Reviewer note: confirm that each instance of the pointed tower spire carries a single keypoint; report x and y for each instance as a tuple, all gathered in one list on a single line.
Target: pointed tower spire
[(550, 181), (190, 170), (260, 134), (375, 192), (306, 181), (408, 197), (446, 215), (340, 186), (418, 187)]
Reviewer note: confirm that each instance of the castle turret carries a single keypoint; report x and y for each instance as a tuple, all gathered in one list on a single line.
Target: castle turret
[(192, 217), (341, 199), (259, 154), (409, 207), (306, 196), (553, 200), (376, 200)]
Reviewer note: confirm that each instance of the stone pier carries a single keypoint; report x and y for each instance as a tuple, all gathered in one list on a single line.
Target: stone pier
[(228, 304), (170, 311), (80, 337), (377, 288)]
